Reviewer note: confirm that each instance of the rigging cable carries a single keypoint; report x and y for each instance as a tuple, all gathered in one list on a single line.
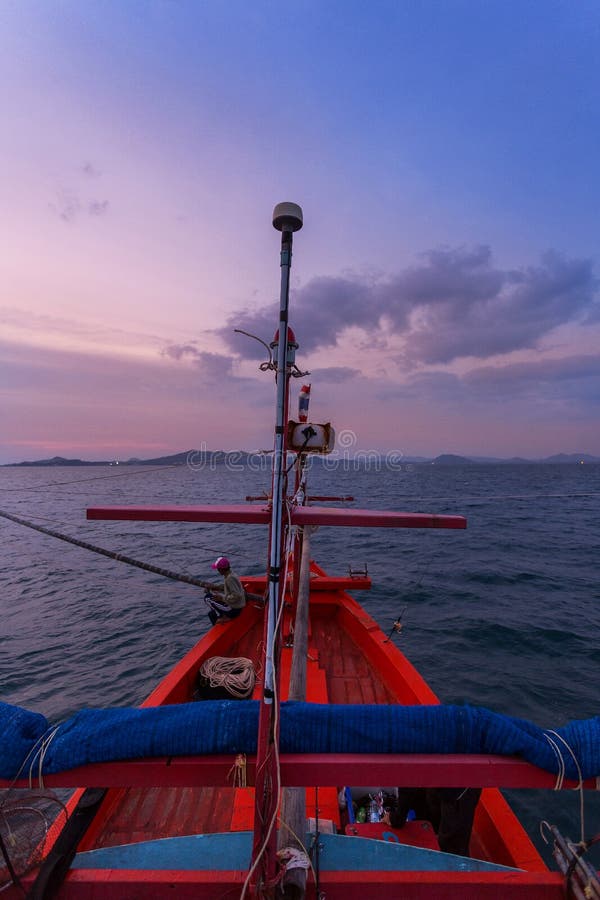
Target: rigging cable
[(40, 487), (484, 499), (110, 554), (147, 537)]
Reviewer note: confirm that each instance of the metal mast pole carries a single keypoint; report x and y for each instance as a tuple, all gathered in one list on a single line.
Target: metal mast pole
[(287, 218)]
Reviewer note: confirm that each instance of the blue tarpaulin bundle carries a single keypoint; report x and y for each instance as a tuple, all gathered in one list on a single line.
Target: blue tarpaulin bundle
[(226, 727)]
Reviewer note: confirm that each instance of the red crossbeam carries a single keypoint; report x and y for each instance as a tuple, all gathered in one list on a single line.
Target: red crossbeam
[(372, 518), (261, 515), (245, 515), (306, 770)]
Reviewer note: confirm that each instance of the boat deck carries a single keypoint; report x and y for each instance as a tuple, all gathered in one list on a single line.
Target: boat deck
[(349, 661), (338, 673)]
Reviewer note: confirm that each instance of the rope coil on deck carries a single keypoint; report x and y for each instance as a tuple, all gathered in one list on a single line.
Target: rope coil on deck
[(236, 674)]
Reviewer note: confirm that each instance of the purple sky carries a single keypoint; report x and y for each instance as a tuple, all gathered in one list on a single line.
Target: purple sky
[(445, 285)]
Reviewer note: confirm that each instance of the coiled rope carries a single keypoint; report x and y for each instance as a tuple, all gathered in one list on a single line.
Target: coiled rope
[(110, 554), (236, 675)]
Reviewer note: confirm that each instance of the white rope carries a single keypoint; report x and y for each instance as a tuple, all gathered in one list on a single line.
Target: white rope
[(304, 850), (579, 786), (293, 858), (560, 776), (571, 751), (236, 674), (238, 772), (40, 755), (32, 756)]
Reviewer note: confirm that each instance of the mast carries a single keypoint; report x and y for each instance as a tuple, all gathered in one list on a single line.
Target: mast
[(287, 218), (293, 805)]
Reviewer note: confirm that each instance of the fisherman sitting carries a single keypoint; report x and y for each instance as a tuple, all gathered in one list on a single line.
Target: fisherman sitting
[(230, 599)]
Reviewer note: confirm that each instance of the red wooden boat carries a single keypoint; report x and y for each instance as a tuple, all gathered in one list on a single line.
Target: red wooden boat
[(210, 826)]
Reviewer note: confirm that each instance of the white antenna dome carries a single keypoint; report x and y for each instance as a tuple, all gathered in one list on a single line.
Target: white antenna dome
[(287, 217)]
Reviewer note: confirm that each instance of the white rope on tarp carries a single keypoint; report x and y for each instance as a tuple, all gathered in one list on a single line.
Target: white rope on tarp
[(562, 769)]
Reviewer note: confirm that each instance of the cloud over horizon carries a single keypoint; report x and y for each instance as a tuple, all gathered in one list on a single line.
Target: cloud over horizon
[(455, 303), (402, 331), (213, 366)]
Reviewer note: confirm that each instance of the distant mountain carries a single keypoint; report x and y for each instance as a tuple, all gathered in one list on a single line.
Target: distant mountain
[(187, 457), (571, 458), (450, 459), (59, 461), (175, 459), (499, 461), (200, 458)]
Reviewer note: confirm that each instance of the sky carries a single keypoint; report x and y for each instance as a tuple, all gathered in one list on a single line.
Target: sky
[(445, 285)]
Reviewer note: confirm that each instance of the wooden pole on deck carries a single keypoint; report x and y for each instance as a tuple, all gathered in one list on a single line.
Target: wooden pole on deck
[(293, 803)]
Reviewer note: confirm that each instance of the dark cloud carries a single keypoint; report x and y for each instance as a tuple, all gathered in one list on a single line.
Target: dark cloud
[(179, 351), (527, 305), (567, 389), (554, 390), (97, 207), (544, 371), (455, 303), (215, 366), (90, 170), (321, 310), (212, 365), (48, 373), (69, 206), (445, 387)]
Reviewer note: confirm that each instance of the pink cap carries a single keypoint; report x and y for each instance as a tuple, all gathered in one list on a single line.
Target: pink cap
[(221, 563)]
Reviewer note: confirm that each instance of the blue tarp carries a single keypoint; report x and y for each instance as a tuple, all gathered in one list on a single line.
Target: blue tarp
[(226, 726)]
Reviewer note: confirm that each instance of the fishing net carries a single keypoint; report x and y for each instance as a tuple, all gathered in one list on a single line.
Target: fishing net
[(29, 818)]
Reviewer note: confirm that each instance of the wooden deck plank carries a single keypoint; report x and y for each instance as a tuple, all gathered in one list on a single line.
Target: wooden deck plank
[(345, 663), (146, 813)]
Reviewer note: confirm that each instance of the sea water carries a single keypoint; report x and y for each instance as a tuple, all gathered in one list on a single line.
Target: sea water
[(505, 614)]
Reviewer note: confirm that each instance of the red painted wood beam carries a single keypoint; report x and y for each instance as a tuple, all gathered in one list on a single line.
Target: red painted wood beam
[(372, 518), (306, 770), (443, 885), (318, 583), (344, 583), (122, 884), (245, 515), (261, 515)]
